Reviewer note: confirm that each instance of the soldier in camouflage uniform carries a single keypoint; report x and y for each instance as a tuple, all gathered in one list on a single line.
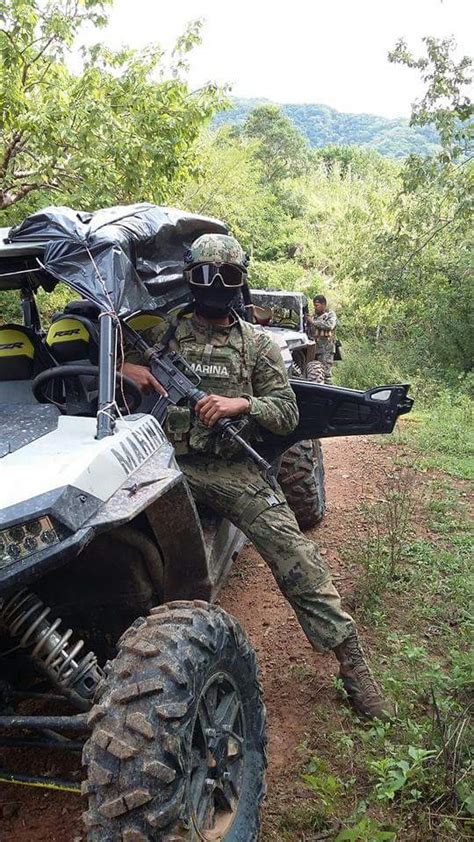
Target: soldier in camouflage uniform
[(244, 375), (321, 327)]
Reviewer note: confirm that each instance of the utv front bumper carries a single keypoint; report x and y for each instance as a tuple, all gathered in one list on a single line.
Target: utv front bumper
[(76, 518)]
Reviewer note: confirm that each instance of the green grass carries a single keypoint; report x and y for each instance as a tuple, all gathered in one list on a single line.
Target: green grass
[(409, 780), (442, 430), (440, 426), (364, 366)]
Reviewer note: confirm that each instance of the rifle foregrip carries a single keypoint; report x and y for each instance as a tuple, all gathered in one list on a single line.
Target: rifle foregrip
[(179, 386)]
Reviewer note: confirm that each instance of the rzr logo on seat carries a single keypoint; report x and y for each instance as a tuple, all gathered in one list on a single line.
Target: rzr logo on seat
[(67, 332), (9, 346)]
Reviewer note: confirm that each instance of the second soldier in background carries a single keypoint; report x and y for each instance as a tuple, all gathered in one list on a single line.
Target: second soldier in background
[(321, 327)]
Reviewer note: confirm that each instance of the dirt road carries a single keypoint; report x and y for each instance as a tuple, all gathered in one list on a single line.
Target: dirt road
[(297, 682)]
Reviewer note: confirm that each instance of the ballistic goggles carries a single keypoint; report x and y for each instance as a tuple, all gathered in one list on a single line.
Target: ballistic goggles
[(204, 274)]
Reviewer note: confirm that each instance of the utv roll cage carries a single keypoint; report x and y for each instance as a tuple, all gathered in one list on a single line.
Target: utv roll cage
[(105, 257), (130, 259), (293, 305)]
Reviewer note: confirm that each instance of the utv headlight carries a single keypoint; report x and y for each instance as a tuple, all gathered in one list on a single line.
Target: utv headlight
[(16, 542)]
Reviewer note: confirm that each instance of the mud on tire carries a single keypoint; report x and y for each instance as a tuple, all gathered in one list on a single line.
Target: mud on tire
[(177, 750), (315, 372), (301, 477), (301, 473)]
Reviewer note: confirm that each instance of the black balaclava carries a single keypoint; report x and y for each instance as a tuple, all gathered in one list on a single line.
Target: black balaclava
[(214, 301)]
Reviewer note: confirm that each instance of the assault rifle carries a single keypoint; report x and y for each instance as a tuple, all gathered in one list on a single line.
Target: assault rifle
[(181, 384)]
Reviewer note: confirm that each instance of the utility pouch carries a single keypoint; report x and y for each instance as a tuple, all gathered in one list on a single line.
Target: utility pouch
[(254, 501), (177, 426)]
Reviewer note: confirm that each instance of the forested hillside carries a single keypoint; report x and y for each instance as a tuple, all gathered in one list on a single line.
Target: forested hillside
[(323, 125)]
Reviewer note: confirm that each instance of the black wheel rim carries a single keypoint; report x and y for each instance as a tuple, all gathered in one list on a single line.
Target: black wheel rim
[(218, 758)]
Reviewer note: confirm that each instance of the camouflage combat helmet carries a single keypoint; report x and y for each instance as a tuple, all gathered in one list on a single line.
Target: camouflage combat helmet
[(218, 249)]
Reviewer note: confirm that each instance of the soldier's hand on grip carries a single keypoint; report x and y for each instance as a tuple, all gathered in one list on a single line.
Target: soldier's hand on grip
[(143, 377), (212, 407)]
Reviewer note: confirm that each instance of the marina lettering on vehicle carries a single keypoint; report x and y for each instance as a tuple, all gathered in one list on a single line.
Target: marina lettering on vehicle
[(137, 447)]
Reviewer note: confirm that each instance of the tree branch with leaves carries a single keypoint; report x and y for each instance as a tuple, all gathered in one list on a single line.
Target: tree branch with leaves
[(120, 130)]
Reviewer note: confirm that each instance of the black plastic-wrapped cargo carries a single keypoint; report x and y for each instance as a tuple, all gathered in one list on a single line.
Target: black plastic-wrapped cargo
[(124, 258)]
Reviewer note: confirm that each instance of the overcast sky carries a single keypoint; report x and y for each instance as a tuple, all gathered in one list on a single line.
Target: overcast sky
[(323, 51)]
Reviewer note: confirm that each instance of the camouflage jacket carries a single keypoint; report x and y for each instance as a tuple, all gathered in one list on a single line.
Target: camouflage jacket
[(322, 331), (235, 361)]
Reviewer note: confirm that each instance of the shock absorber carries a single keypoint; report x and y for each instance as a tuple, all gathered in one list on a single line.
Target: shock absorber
[(25, 617)]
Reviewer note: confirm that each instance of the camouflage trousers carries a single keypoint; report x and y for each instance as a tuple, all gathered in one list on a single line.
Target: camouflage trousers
[(327, 361), (235, 489)]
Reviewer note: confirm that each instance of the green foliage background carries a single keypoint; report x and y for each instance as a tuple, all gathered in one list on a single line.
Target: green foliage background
[(388, 241)]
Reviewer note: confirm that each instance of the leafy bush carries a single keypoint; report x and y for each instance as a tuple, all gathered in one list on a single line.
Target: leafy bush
[(364, 365), (48, 303), (276, 275), (394, 775)]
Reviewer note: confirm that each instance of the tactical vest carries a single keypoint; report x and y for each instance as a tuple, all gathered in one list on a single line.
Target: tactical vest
[(224, 360), (324, 339), (319, 332)]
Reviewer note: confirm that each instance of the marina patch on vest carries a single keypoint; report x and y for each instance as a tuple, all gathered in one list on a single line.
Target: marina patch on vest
[(211, 369)]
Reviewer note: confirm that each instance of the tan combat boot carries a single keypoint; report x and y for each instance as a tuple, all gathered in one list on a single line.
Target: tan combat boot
[(363, 691)]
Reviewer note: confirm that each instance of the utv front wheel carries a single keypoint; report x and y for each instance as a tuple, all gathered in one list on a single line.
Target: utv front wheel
[(177, 750)]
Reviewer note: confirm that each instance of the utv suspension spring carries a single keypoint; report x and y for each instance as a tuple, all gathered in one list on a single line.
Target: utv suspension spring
[(25, 615)]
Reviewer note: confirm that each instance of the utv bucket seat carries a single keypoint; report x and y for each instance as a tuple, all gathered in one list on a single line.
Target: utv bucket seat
[(74, 334), (23, 355)]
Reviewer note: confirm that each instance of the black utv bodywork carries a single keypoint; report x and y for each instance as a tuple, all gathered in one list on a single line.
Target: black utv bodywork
[(331, 411)]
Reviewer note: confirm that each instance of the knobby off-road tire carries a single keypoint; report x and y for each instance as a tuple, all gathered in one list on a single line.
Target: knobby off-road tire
[(301, 477), (301, 473), (177, 750), (315, 372)]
